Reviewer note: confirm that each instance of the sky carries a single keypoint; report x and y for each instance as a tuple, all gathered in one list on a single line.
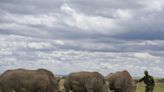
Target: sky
[(67, 36)]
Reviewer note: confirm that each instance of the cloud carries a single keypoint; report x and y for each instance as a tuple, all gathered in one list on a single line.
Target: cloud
[(114, 19), (86, 22), (62, 56), (155, 6), (146, 57), (45, 20), (65, 61), (104, 36)]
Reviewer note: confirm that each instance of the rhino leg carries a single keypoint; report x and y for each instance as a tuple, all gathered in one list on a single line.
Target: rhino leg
[(66, 90), (90, 90), (118, 90), (41, 90)]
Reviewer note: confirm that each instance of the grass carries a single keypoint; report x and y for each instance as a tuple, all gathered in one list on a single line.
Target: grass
[(159, 87)]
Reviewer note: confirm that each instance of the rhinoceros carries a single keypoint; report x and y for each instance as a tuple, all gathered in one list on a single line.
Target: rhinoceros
[(121, 82), (85, 82), (23, 80)]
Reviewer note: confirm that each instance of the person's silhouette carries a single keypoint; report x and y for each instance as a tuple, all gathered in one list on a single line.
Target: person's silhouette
[(149, 81)]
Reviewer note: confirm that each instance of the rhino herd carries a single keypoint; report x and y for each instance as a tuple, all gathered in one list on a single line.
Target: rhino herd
[(42, 80)]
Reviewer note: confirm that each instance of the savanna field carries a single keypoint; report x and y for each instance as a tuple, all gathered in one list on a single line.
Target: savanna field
[(158, 88), (140, 86)]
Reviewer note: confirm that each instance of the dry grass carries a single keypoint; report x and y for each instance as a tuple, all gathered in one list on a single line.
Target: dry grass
[(61, 85), (158, 88)]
